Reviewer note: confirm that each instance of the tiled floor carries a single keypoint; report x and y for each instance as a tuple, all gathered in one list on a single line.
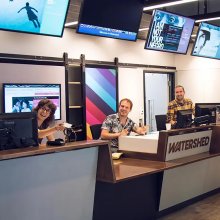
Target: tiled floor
[(206, 209)]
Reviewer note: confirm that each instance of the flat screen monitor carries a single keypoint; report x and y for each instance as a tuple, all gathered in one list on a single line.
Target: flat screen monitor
[(25, 97), (169, 32), (18, 130), (184, 118), (202, 109), (207, 43), (45, 17), (118, 19)]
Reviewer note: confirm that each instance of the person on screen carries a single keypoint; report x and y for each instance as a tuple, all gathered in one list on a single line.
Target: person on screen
[(25, 107), (179, 103), (45, 118), (119, 124), (16, 106), (31, 15), (203, 37)]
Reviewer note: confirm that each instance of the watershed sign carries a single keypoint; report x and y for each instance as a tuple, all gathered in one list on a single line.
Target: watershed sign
[(184, 145)]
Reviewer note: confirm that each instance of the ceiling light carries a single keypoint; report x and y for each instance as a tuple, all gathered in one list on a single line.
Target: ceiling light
[(167, 4), (143, 29), (207, 19), (71, 23)]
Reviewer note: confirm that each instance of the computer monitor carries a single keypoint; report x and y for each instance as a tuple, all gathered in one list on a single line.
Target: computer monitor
[(184, 118), (207, 41), (169, 32), (118, 19), (202, 109), (22, 97), (18, 130), (36, 16)]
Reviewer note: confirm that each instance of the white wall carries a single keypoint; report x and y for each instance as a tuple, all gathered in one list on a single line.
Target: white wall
[(199, 76), (94, 48)]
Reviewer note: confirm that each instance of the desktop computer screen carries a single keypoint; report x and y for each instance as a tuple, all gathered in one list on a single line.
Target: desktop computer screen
[(18, 130), (184, 118)]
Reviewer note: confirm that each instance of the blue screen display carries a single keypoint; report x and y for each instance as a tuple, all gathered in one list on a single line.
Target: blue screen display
[(118, 19), (207, 42), (106, 32), (169, 32), (44, 17)]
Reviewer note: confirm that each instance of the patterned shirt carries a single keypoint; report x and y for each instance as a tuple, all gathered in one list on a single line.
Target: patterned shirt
[(113, 125), (175, 106)]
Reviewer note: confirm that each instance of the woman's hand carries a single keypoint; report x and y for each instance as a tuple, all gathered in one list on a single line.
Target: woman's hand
[(59, 127)]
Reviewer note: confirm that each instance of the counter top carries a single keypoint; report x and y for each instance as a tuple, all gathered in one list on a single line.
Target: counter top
[(129, 168), (43, 149)]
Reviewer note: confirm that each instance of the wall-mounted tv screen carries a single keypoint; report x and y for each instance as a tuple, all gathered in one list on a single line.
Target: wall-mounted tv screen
[(118, 19), (169, 32), (207, 43), (25, 97), (46, 17)]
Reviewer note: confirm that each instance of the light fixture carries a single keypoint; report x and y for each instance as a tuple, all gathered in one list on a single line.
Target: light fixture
[(207, 19), (167, 4), (143, 29), (71, 24)]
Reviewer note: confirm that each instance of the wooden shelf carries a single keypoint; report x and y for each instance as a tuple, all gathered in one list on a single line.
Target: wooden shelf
[(75, 106), (74, 83)]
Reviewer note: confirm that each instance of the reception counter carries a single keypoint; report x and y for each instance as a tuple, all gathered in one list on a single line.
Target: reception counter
[(143, 185), (80, 180), (49, 182)]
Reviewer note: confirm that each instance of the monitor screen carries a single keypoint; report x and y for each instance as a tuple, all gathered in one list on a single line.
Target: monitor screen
[(46, 17), (169, 32), (111, 18), (184, 118), (207, 43), (202, 109), (18, 130), (25, 97)]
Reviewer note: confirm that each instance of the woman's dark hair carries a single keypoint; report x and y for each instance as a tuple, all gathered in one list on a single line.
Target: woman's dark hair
[(51, 106)]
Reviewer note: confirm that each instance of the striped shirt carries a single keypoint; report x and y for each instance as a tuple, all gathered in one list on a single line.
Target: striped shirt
[(175, 106)]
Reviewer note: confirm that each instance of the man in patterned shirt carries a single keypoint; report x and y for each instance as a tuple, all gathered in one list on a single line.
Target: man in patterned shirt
[(179, 103), (119, 124)]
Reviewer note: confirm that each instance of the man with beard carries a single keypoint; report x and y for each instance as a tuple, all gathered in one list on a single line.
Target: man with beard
[(119, 124), (179, 103)]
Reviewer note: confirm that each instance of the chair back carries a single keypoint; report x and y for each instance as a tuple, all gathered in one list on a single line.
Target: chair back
[(161, 122), (96, 131)]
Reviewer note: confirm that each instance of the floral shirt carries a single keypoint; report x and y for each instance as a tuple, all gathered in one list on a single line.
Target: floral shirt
[(113, 125)]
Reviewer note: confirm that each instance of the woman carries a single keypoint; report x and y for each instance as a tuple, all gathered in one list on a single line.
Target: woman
[(45, 118)]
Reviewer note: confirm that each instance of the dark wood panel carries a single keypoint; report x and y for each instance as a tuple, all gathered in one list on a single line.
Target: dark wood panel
[(43, 149), (130, 200)]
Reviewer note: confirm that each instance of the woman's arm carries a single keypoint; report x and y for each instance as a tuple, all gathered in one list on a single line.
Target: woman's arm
[(48, 132)]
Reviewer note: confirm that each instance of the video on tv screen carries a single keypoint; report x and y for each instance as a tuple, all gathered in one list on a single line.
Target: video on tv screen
[(46, 17), (118, 19), (169, 32), (25, 97), (207, 42)]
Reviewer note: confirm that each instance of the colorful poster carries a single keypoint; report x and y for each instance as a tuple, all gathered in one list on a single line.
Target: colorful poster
[(101, 95)]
